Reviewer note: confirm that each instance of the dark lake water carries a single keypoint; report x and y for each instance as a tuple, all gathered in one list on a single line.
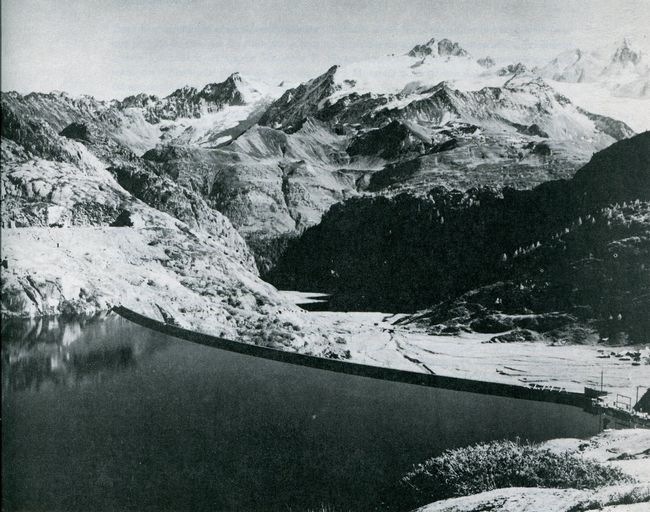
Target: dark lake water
[(107, 415)]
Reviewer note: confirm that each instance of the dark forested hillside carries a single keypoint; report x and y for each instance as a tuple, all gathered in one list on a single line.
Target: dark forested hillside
[(580, 247)]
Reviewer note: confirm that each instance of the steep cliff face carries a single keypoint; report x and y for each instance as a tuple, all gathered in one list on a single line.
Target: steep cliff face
[(289, 112), (579, 247)]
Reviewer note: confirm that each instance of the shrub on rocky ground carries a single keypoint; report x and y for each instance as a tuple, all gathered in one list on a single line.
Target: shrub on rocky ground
[(500, 464)]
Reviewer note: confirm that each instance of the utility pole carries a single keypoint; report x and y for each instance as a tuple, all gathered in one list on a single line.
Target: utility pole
[(601, 379)]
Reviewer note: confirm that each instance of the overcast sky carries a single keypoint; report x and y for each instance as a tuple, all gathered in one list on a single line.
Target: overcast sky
[(112, 48)]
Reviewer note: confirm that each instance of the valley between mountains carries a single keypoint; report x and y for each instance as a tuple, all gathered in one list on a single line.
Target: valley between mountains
[(497, 215)]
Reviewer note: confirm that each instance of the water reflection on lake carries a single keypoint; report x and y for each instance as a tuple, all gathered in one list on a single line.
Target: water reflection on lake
[(54, 351), (106, 415)]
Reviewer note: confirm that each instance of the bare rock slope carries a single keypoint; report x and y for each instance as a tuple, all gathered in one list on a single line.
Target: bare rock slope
[(74, 242)]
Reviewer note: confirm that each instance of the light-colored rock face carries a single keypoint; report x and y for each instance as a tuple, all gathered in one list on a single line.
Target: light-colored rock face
[(518, 499), (68, 247), (268, 182), (38, 192), (159, 269), (82, 192)]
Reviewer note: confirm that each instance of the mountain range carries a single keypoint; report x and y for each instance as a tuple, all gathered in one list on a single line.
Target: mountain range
[(273, 160), (613, 80), (623, 68), (269, 160)]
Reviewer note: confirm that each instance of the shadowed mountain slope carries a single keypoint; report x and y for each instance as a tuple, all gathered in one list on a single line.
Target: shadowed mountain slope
[(578, 247)]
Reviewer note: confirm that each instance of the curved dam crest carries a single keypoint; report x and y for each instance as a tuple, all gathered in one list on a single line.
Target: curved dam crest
[(362, 370)]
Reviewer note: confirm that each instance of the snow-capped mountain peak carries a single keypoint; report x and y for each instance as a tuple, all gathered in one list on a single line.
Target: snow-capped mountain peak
[(487, 62), (513, 69), (627, 53), (612, 80), (626, 62), (573, 65), (186, 91), (438, 48), (617, 63), (449, 48)]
